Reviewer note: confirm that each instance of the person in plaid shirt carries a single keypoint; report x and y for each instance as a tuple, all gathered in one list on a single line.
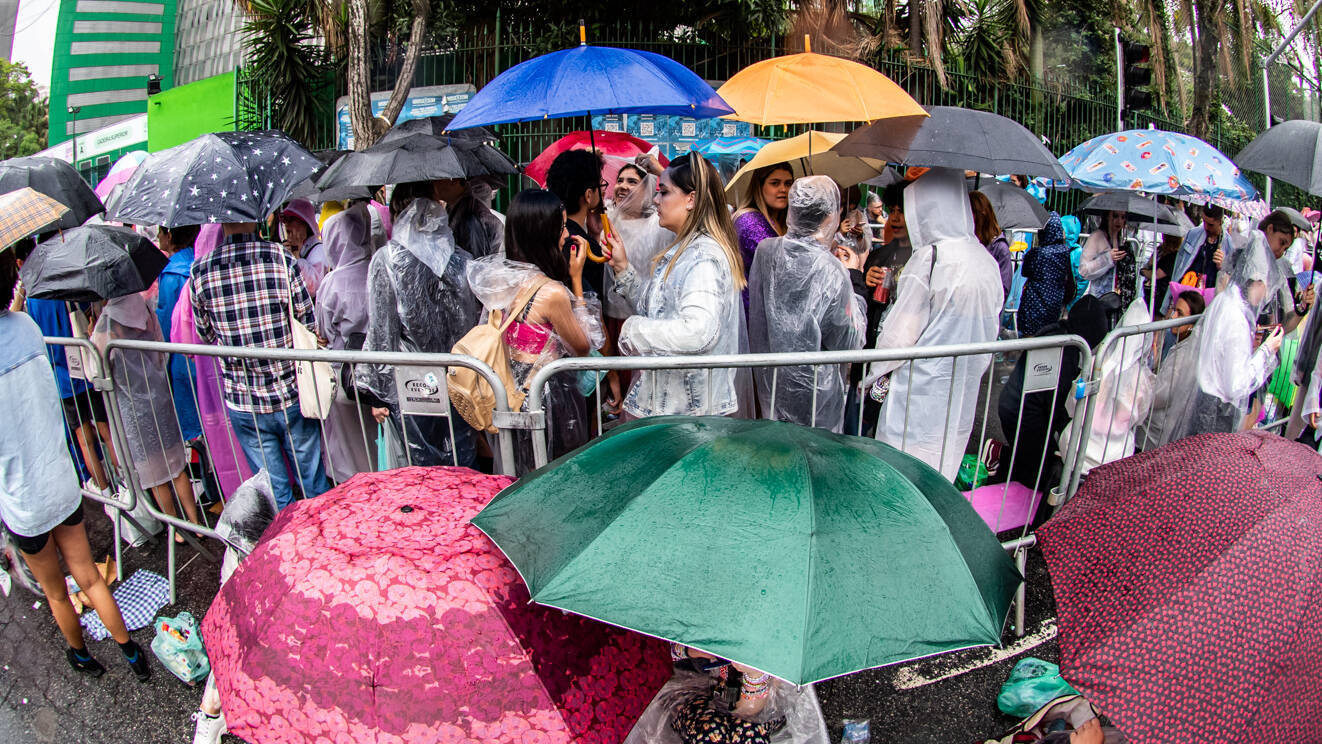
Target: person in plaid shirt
[(241, 294)]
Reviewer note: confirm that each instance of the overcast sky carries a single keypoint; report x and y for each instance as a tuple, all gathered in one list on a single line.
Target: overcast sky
[(34, 38)]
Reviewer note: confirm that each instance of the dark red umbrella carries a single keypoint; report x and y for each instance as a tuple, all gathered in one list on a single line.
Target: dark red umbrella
[(1188, 583), (377, 613)]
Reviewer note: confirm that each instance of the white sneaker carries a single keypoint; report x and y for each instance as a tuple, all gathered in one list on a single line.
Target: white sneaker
[(209, 728)]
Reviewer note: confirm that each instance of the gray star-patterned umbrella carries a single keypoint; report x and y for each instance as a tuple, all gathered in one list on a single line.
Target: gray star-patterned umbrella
[(222, 177), (56, 179)]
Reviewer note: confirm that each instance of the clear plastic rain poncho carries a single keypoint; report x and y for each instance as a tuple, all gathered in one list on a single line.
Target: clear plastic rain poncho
[(635, 220), (1230, 365), (694, 310), (247, 514), (800, 298), (1124, 394), (949, 293), (497, 282), (420, 301), (142, 391), (1101, 271), (1172, 393), (804, 723)]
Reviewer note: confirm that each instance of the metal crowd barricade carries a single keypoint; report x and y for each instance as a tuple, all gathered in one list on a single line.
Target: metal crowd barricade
[(537, 416), (1153, 357), (120, 362), (97, 448)]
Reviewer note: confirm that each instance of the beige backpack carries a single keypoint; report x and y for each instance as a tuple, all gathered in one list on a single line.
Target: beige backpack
[(470, 394)]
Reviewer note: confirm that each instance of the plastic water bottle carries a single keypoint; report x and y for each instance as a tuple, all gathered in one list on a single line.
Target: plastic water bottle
[(856, 732)]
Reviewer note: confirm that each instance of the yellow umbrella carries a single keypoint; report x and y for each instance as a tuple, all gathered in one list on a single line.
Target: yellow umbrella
[(808, 88), (808, 154)]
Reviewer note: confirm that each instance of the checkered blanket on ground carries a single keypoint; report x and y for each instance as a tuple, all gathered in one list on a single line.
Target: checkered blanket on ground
[(139, 598)]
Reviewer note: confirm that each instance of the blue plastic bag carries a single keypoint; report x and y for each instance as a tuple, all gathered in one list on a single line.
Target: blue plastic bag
[(178, 646), (1032, 684)]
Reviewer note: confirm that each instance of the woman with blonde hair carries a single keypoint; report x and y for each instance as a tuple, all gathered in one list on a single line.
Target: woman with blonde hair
[(761, 212), (686, 299)]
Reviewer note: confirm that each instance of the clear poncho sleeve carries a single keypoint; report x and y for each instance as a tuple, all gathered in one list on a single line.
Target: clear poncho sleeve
[(587, 311), (1229, 367), (384, 328), (697, 326), (1096, 260), (909, 314)]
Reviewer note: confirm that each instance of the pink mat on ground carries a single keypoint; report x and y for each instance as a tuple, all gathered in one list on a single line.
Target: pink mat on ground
[(1019, 505)]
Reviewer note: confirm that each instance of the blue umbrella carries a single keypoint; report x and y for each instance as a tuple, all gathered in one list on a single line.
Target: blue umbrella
[(741, 146), (1157, 162), (591, 80)]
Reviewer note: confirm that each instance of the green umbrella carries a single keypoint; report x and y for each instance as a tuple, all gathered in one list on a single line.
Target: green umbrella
[(792, 550)]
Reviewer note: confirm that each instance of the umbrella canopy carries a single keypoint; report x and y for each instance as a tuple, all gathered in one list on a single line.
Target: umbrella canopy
[(958, 138), (56, 179), (90, 263), (1157, 162), (793, 550), (617, 148), (26, 212), (1015, 208), (376, 613), (809, 154), (307, 189), (808, 88), (740, 146), (1296, 218), (591, 80), (438, 126), (417, 157), (1187, 590), (1290, 151), (222, 177), (119, 173), (1142, 211)]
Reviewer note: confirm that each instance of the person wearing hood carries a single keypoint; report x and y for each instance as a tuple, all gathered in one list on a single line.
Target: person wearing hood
[(1124, 395), (801, 299), (420, 301), (1036, 419), (298, 223), (949, 293), (556, 317), (1231, 362), (475, 228), (142, 383), (1048, 279), (633, 215), (341, 310), (1073, 229), (1173, 389)]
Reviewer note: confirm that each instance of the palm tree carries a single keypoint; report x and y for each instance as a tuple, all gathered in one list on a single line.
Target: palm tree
[(287, 66)]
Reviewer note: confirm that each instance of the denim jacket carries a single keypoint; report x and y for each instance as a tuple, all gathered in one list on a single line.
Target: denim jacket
[(694, 311)]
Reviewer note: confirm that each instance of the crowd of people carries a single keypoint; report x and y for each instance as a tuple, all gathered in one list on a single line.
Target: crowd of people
[(660, 263)]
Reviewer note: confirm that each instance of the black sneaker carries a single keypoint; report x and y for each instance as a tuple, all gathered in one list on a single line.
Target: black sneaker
[(137, 660), (88, 666)]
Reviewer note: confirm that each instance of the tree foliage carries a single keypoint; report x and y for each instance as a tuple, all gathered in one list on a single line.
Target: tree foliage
[(23, 112), (288, 66)]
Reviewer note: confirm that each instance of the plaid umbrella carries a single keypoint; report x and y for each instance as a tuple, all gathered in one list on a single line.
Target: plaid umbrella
[(25, 212), (1188, 583)]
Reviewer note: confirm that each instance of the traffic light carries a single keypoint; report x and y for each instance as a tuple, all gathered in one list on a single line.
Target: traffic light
[(1136, 75)]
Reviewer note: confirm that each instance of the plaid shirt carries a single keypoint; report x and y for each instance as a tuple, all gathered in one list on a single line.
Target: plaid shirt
[(241, 293)]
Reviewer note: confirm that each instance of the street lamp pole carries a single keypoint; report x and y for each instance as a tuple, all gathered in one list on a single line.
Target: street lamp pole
[(73, 121)]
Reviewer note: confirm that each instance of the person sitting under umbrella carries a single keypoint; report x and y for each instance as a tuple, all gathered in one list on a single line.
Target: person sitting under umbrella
[(298, 223), (800, 299), (1172, 390)]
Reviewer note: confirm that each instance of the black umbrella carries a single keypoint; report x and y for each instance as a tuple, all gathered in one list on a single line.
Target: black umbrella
[(417, 157), (1015, 208), (435, 126), (222, 177), (308, 188), (1290, 151), (1296, 218), (56, 179), (1144, 212), (90, 263), (955, 138)]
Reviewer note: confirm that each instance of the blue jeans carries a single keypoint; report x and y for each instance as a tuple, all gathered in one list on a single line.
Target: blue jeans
[(276, 441)]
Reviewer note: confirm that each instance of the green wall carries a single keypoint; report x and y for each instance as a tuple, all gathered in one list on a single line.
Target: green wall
[(178, 115)]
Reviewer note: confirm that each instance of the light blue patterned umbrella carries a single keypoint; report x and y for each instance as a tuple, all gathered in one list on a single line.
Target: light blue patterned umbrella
[(1156, 162), (741, 146)]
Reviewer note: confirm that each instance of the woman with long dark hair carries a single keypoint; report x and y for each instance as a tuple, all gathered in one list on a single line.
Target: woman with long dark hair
[(554, 317)]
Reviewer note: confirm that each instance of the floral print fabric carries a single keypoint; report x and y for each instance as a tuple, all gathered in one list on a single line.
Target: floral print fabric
[(377, 613)]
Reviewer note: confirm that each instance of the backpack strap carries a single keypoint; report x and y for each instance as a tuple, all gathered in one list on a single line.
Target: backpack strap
[(521, 301)]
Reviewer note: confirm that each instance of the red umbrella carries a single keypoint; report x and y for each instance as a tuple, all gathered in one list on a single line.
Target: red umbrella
[(617, 147), (1188, 583), (377, 613)]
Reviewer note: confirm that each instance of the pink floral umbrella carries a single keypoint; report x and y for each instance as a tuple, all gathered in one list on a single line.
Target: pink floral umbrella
[(377, 613)]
